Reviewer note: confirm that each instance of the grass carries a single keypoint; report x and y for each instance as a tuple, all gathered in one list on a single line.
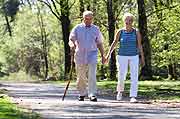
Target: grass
[(9, 110), (150, 90), (19, 77), (167, 90)]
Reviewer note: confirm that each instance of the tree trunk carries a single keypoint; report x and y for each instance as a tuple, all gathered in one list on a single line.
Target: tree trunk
[(88, 5), (65, 22), (63, 17), (44, 43), (8, 25), (172, 71), (111, 28), (81, 7), (46, 58), (147, 69), (94, 9)]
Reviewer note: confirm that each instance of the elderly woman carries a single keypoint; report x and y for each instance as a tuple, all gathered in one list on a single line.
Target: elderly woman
[(128, 54)]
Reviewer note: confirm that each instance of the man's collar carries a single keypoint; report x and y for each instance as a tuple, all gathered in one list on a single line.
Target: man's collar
[(86, 25)]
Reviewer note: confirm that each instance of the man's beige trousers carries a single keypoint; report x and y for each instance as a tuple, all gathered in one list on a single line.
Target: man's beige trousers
[(86, 74)]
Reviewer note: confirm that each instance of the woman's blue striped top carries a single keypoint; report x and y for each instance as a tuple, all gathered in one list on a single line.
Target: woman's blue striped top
[(128, 43)]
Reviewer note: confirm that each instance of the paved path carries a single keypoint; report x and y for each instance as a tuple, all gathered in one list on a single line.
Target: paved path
[(45, 99)]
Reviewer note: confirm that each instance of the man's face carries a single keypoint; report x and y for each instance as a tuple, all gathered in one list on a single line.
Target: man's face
[(88, 20)]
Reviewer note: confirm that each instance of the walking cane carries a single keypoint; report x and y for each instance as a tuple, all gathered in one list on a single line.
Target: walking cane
[(71, 70), (66, 90)]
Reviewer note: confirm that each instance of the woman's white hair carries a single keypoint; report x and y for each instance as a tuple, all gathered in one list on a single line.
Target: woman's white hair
[(87, 13), (128, 15)]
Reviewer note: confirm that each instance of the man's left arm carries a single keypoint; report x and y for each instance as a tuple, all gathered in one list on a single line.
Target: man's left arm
[(101, 49), (99, 42)]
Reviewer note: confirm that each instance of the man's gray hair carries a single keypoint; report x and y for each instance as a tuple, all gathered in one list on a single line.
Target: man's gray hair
[(127, 14), (87, 13)]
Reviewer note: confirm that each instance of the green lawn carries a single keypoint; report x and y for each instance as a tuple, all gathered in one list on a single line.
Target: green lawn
[(11, 111), (150, 90), (167, 90)]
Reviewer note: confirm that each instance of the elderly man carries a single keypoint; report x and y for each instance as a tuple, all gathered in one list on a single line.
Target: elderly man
[(86, 38)]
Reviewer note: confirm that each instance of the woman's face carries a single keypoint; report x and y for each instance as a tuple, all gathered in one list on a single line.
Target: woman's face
[(128, 21)]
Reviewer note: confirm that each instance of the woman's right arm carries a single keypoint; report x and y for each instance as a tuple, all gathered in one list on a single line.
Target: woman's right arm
[(116, 39)]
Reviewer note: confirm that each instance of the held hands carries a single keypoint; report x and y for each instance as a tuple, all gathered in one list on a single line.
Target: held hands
[(105, 59)]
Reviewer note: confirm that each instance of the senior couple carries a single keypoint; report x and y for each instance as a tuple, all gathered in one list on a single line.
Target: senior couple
[(85, 39)]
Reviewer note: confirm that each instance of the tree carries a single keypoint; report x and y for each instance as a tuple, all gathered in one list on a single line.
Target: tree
[(44, 41), (81, 7), (147, 69), (63, 17), (111, 29), (10, 9), (167, 47), (165, 43)]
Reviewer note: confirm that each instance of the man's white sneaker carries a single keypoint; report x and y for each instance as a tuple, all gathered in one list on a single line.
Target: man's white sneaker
[(119, 96), (133, 100)]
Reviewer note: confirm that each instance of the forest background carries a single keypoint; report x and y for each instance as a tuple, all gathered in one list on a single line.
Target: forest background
[(34, 36)]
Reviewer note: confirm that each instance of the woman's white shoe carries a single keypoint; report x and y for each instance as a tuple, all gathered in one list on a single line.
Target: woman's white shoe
[(133, 100), (119, 96)]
